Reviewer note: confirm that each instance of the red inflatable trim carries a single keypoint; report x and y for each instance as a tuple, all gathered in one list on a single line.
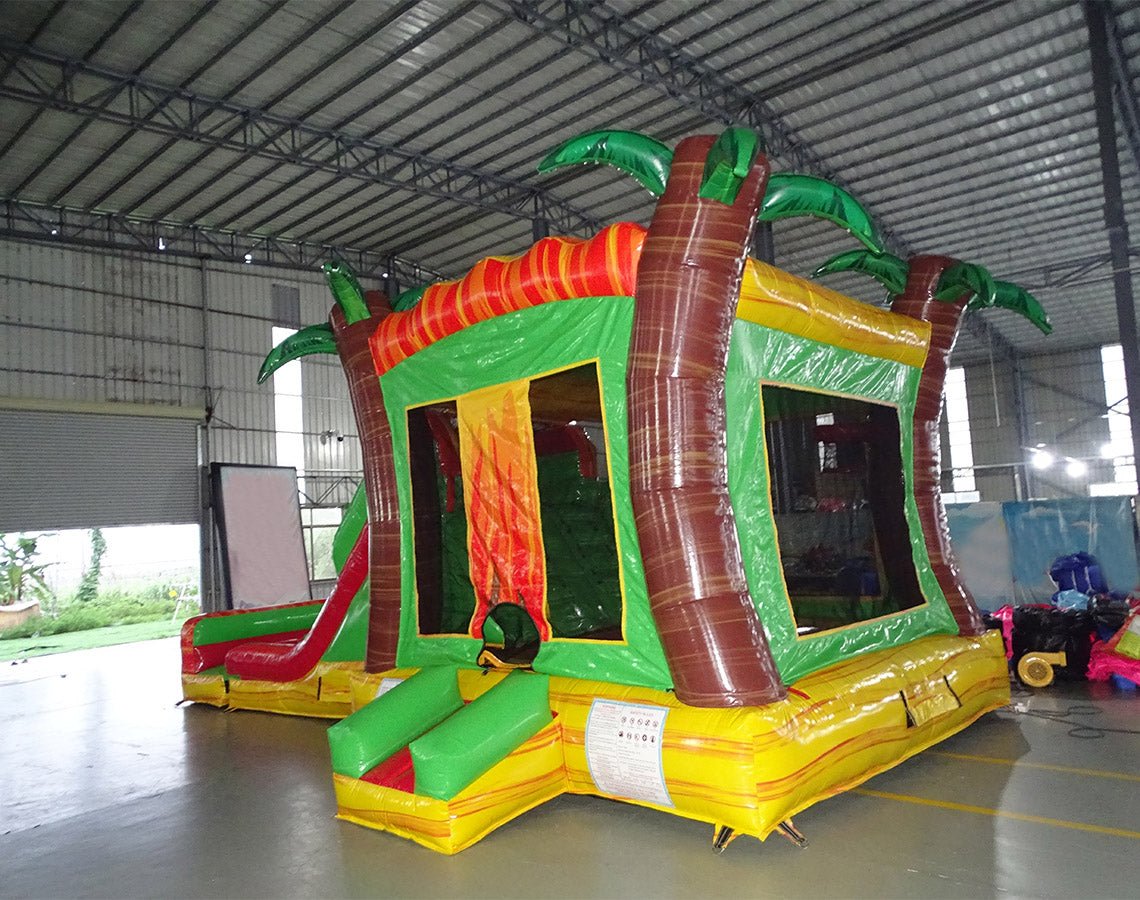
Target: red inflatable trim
[(395, 772)]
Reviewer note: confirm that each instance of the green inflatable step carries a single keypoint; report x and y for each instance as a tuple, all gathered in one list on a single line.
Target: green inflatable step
[(469, 742), (450, 744), (392, 721)]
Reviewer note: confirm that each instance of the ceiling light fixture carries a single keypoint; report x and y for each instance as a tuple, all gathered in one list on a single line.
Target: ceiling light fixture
[(1075, 468)]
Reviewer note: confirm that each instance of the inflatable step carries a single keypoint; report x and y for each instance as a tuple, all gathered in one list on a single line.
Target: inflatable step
[(419, 762), (393, 720)]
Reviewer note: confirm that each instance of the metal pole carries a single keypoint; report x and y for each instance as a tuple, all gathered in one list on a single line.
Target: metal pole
[(1027, 490), (1096, 19), (207, 580)]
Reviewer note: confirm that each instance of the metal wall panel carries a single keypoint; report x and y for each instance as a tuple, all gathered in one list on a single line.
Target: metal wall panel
[(76, 470), (993, 428), (1064, 407), (89, 327)]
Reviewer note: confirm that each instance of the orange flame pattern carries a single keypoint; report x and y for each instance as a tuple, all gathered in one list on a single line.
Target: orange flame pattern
[(500, 492), (553, 269)]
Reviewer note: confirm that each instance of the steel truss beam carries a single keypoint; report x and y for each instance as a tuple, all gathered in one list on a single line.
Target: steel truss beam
[(1064, 272), (1126, 103), (55, 82), (110, 231), (990, 336), (593, 28)]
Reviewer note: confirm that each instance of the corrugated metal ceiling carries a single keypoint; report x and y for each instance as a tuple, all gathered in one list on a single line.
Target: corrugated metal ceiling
[(966, 126)]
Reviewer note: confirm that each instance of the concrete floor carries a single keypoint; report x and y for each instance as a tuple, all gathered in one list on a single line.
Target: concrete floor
[(108, 790)]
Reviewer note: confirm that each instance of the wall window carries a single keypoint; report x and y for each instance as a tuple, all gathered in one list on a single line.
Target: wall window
[(960, 448), (319, 526), (827, 452), (288, 413), (1119, 446)]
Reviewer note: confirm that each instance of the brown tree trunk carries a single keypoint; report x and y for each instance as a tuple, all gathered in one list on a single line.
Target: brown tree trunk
[(688, 282), (379, 481), (944, 318)]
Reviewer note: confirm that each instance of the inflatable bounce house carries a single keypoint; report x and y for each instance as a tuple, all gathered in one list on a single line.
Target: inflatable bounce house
[(646, 519)]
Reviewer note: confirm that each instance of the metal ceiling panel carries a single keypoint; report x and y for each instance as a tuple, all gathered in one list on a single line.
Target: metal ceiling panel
[(966, 126)]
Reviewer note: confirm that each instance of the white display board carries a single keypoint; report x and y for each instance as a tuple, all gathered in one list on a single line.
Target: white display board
[(259, 523)]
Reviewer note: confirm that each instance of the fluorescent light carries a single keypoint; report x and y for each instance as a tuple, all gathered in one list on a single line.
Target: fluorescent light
[(249, 257), (1042, 459), (1075, 468)]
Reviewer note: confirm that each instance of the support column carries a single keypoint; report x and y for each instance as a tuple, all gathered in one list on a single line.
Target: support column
[(1025, 483), (1096, 17), (209, 598)]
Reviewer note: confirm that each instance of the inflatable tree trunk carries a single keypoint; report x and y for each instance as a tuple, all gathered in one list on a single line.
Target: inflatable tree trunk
[(918, 301), (379, 479), (688, 280)]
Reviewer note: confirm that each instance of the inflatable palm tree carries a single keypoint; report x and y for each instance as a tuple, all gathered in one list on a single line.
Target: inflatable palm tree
[(711, 192), (938, 290), (354, 317)]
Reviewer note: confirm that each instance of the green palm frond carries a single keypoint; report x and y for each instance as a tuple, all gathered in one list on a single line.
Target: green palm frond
[(888, 270), (307, 341), (728, 163), (961, 278), (1011, 296), (346, 290), (804, 195), (407, 299), (639, 155)]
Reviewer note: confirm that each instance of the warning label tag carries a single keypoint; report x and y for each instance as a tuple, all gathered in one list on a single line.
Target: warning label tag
[(623, 750)]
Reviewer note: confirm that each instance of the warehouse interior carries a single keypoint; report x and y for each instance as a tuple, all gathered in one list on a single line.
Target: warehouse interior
[(173, 177)]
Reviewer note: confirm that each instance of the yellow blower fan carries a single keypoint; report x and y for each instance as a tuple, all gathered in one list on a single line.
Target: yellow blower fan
[(1036, 669)]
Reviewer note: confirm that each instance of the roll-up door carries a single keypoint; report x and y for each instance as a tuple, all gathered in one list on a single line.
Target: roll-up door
[(81, 470)]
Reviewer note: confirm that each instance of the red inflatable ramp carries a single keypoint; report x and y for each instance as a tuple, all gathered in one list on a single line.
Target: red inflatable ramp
[(282, 661)]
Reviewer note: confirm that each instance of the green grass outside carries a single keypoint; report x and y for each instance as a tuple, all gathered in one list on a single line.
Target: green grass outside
[(43, 645)]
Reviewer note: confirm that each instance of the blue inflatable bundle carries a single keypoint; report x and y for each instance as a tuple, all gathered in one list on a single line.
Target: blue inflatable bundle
[(1078, 572)]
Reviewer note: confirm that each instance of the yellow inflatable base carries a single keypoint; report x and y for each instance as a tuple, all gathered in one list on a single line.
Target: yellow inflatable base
[(208, 689), (531, 775), (325, 693), (748, 769)]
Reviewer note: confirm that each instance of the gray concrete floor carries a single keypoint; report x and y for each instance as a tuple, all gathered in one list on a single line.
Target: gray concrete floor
[(108, 790)]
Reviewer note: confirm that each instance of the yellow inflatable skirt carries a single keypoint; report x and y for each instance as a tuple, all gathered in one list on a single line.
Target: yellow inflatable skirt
[(746, 771)]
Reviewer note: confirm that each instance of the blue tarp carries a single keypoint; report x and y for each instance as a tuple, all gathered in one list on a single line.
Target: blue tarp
[(1042, 530), (1005, 550), (981, 544)]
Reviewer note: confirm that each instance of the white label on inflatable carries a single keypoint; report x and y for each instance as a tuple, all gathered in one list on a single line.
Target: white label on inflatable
[(386, 684), (623, 750)]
